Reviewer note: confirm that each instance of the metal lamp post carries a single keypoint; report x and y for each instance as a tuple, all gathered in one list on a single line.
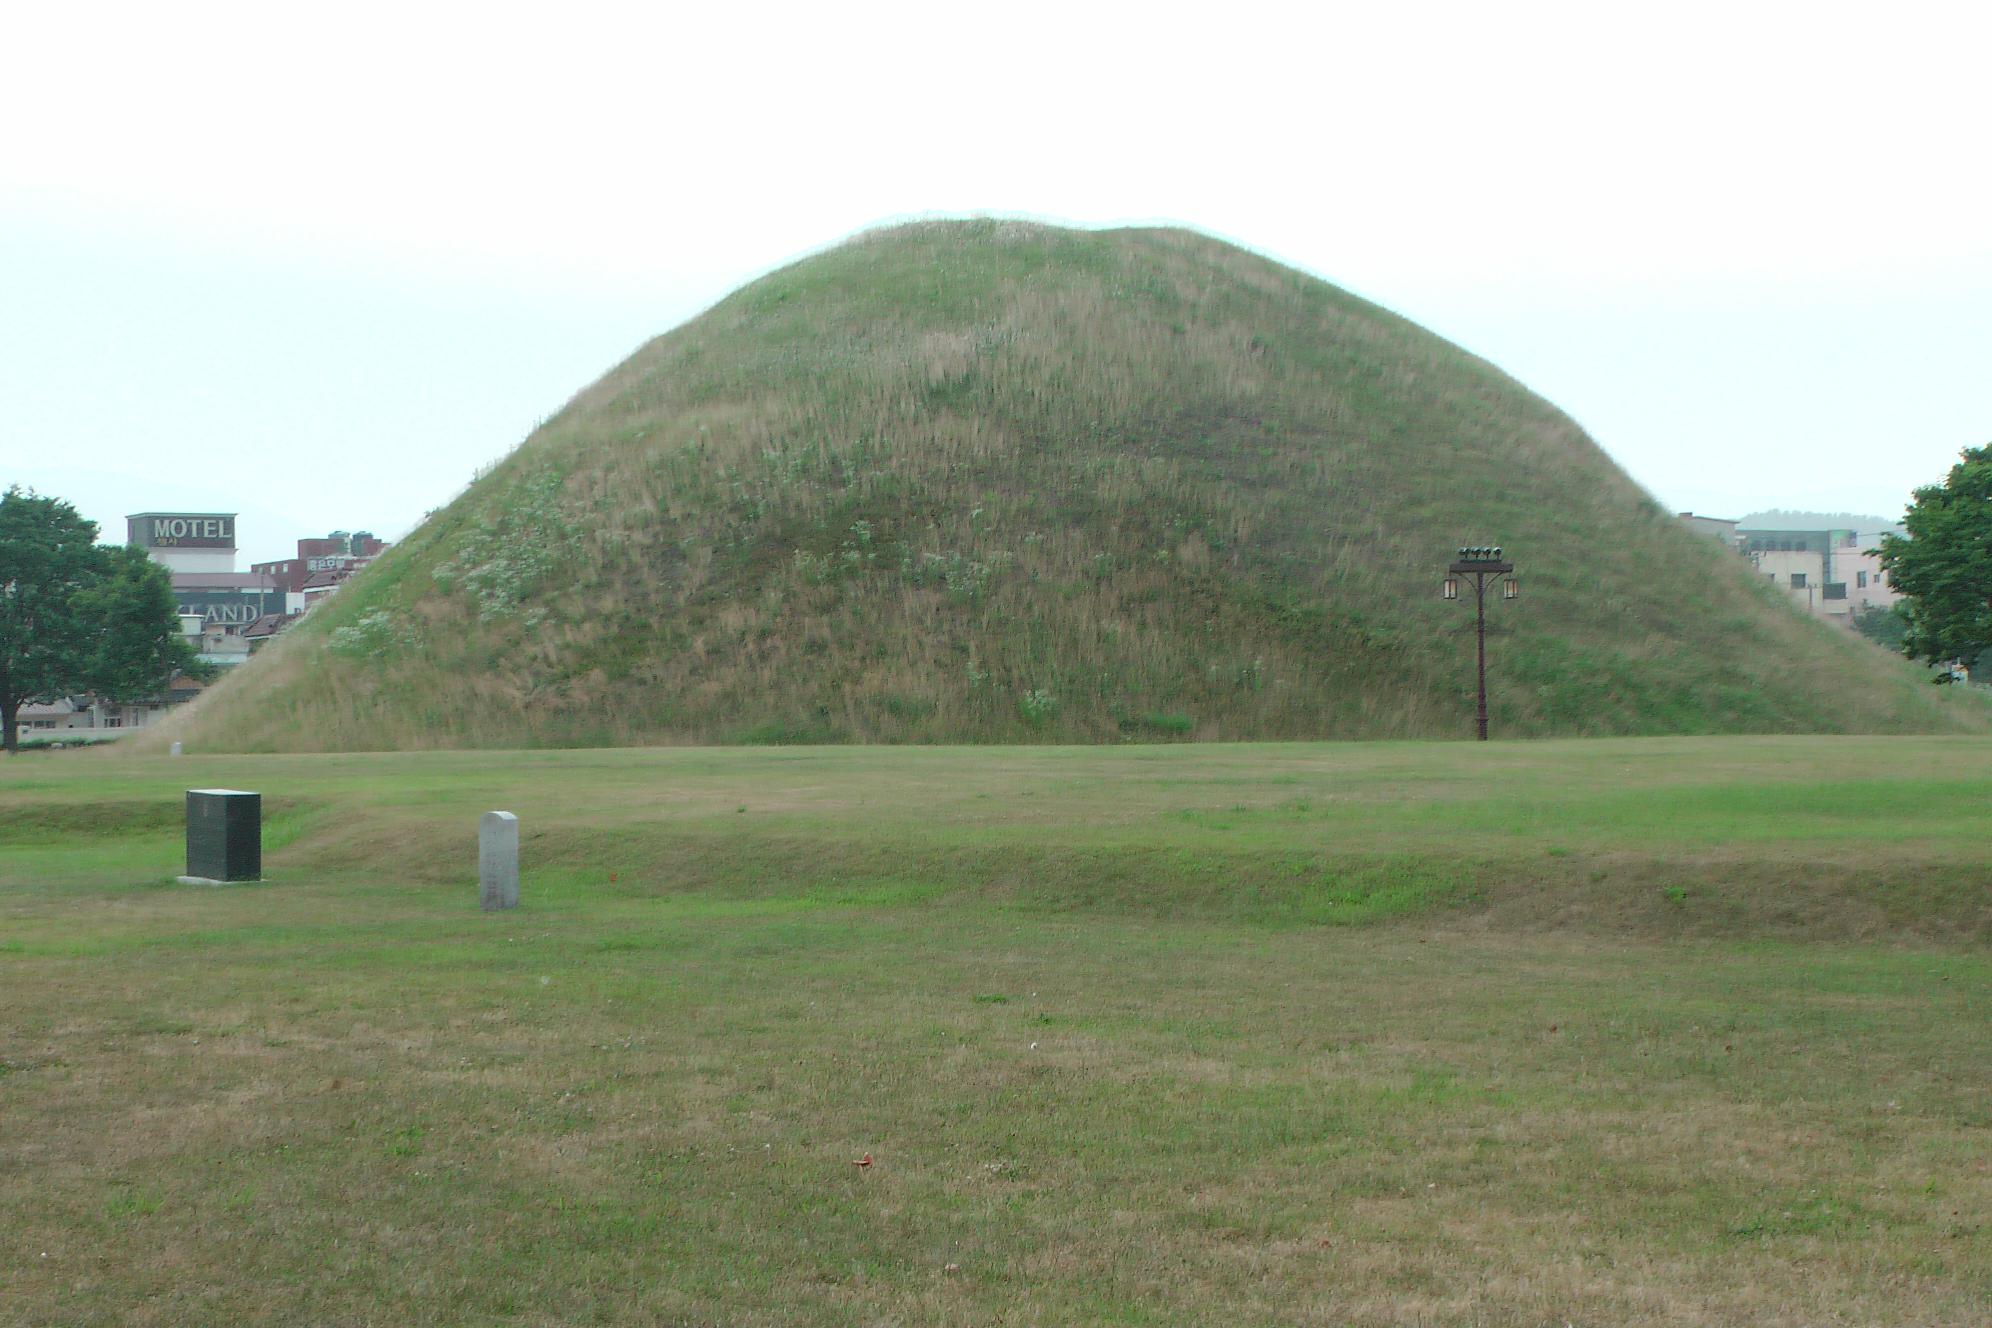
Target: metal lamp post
[(1482, 564)]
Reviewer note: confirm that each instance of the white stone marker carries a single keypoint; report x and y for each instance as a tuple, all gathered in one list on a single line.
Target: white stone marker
[(176, 749), (498, 861)]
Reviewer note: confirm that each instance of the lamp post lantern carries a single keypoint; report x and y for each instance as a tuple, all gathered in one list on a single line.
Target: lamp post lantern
[(1482, 564)]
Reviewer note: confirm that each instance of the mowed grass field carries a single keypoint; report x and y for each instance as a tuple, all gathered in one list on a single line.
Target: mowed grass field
[(1617, 1032)]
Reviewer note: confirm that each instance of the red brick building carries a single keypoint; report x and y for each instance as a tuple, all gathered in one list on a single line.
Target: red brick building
[(339, 553)]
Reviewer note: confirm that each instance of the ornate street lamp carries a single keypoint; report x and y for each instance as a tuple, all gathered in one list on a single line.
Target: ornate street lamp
[(1482, 564)]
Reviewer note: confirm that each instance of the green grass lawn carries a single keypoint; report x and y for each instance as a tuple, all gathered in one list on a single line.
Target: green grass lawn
[(1631, 1032)]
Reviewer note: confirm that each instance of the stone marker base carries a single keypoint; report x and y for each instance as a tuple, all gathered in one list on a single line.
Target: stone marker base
[(209, 880)]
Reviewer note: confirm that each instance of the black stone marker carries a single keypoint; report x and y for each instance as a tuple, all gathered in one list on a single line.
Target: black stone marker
[(224, 835)]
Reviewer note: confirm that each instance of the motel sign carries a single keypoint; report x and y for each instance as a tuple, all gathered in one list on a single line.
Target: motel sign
[(182, 530)]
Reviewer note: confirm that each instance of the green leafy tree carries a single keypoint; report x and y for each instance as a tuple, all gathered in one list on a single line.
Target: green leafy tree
[(76, 616), (1887, 627), (1944, 567)]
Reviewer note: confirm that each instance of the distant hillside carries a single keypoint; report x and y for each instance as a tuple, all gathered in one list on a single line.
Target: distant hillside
[(1780, 519), (991, 482)]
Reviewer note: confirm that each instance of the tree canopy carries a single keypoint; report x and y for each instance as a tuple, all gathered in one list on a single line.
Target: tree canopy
[(1944, 565), (77, 616)]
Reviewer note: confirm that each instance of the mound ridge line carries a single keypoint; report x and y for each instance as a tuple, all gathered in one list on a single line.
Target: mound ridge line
[(985, 481)]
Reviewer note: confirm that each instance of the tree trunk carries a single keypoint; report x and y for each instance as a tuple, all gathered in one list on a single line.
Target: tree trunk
[(10, 708)]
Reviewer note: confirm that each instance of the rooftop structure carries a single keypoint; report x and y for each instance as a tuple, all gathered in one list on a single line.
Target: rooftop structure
[(185, 541)]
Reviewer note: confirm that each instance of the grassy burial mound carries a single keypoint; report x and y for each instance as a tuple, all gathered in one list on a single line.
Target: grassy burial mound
[(986, 481)]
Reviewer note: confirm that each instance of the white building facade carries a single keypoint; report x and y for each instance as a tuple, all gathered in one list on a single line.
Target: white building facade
[(1831, 573)]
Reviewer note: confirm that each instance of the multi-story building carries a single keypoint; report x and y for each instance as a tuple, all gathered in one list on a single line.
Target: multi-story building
[(1828, 564), (340, 554), (1834, 572), (198, 550)]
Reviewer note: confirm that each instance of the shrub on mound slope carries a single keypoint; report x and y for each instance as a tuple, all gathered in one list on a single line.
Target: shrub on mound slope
[(984, 481)]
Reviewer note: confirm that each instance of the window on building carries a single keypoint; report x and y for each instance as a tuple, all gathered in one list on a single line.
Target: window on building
[(1860, 580), (1801, 546), (1798, 580), (1833, 590)]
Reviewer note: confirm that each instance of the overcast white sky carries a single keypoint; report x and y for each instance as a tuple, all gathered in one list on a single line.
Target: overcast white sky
[(319, 264)]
